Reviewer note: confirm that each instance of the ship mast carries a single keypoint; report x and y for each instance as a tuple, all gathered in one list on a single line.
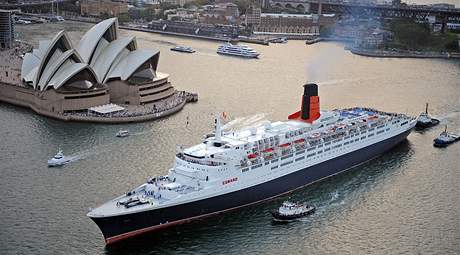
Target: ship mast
[(218, 136)]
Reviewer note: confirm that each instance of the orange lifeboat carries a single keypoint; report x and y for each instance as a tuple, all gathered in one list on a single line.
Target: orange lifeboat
[(252, 156)]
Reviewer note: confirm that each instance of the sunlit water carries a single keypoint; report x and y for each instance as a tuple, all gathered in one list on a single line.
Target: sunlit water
[(405, 202)]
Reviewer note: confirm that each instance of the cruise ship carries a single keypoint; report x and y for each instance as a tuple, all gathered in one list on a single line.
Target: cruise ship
[(230, 170), (237, 50)]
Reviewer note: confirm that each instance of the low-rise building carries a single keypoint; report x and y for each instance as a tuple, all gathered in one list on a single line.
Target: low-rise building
[(225, 13), (287, 23), (98, 8), (253, 16)]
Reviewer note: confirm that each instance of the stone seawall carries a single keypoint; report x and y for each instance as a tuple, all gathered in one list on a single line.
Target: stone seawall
[(403, 54)]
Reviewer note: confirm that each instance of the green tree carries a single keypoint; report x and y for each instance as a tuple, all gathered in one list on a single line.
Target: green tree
[(409, 33), (123, 18)]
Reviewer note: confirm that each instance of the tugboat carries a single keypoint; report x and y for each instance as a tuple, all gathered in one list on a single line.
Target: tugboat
[(183, 49), (58, 160), (289, 211), (445, 139), (123, 133), (425, 121)]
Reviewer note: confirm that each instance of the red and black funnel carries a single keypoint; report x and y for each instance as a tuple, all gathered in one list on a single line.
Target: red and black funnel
[(309, 110)]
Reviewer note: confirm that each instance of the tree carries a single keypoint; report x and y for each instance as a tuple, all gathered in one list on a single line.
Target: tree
[(123, 18)]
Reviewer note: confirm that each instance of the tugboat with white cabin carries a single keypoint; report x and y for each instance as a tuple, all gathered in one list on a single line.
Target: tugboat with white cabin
[(231, 170), (290, 211), (425, 121), (445, 138)]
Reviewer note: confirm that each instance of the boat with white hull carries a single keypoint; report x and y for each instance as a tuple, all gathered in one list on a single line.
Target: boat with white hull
[(235, 169), (59, 159), (237, 50)]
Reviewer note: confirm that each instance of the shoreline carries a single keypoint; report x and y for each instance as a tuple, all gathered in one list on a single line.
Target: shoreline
[(254, 39), (201, 37), (402, 54)]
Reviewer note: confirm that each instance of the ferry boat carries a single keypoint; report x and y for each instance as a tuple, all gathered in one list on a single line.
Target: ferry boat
[(231, 170), (183, 49), (237, 50), (290, 211)]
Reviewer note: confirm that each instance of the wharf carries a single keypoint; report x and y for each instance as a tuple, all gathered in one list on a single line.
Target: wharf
[(212, 38), (221, 39)]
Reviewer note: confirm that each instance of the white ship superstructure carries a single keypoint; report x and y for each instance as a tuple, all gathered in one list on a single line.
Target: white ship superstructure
[(260, 160)]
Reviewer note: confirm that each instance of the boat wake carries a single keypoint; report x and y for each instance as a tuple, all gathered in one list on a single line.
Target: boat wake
[(343, 81), (245, 122), (448, 116)]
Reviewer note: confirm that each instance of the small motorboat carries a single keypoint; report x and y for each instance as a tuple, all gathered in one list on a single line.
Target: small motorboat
[(425, 121), (183, 49), (123, 133), (289, 211), (58, 160), (445, 139)]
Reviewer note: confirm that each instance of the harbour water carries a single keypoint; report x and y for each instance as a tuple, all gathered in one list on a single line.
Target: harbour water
[(405, 202)]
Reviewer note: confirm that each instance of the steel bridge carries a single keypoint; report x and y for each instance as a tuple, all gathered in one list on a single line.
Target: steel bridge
[(370, 10)]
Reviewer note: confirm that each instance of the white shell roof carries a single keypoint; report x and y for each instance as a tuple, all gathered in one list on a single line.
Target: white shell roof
[(55, 61), (29, 67), (129, 64), (89, 41), (107, 57), (66, 72), (51, 69), (46, 52)]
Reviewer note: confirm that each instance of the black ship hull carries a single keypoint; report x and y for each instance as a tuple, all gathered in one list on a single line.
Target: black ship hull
[(421, 125), (116, 228)]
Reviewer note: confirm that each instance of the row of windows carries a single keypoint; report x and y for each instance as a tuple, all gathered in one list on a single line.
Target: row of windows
[(256, 166), (300, 152), (286, 163), (285, 157)]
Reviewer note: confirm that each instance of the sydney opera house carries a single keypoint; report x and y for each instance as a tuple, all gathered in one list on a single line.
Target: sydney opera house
[(103, 70)]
